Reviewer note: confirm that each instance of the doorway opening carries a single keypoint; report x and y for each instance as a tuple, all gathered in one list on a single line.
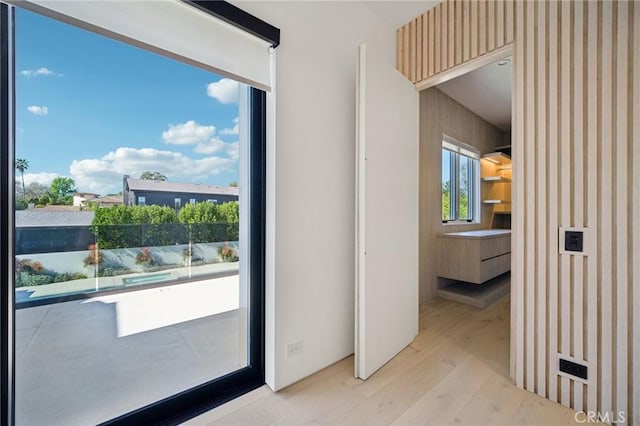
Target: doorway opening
[(465, 209)]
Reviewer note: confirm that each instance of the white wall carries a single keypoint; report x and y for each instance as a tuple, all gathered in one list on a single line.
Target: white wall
[(310, 281)]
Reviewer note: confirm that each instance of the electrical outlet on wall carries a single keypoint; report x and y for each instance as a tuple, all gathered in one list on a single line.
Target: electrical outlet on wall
[(294, 349)]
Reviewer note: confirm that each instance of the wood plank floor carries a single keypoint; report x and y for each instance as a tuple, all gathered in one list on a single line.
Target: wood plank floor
[(456, 372)]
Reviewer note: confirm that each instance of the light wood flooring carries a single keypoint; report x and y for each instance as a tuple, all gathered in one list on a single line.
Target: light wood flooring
[(456, 372)]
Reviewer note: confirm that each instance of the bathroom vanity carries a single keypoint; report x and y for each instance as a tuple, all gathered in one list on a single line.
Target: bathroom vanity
[(474, 256)]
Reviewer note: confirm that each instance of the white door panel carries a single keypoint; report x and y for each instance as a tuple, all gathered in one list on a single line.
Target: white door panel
[(386, 213)]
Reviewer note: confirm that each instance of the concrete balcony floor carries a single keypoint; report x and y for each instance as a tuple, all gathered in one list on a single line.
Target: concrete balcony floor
[(87, 361)]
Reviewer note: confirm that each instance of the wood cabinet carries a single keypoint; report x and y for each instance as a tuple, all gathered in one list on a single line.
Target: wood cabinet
[(474, 256)]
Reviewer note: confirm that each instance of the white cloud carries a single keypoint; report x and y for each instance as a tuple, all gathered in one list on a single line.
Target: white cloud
[(224, 90), (216, 146), (187, 133), (211, 146), (233, 150), (103, 175), (38, 110), (235, 130), (39, 72), (192, 133), (44, 178)]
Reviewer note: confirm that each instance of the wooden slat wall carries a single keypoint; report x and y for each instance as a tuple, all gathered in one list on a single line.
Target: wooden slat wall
[(576, 146), (442, 37)]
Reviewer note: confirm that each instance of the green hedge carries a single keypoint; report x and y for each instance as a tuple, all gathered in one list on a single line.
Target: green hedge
[(143, 226)]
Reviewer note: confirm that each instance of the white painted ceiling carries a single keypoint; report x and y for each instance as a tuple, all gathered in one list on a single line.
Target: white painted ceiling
[(486, 92), (398, 13)]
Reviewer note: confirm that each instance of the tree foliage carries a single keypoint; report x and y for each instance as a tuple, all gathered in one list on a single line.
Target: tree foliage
[(152, 176), (446, 200), (61, 190), (34, 191)]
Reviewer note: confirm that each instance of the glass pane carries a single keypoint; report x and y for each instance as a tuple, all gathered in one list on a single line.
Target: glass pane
[(125, 293), (447, 208), (465, 182)]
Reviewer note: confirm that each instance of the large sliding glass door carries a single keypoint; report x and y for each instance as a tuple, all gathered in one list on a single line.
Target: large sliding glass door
[(133, 193)]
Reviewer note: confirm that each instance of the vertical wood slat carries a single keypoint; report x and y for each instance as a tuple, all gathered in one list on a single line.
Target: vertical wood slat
[(444, 38), (565, 190), (482, 27), (530, 188), (606, 201), (432, 41), (466, 30), (418, 42), (459, 24), (438, 35), (592, 53), (578, 191), (541, 204), (636, 213), (518, 306), (474, 36), (491, 25), (451, 42), (620, 221), (425, 46), (509, 22), (412, 50), (553, 199), (500, 8), (405, 51)]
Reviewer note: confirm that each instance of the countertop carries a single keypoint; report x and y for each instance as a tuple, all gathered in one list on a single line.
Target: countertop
[(481, 233)]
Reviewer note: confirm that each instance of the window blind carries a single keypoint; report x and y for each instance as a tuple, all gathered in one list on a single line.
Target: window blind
[(171, 28)]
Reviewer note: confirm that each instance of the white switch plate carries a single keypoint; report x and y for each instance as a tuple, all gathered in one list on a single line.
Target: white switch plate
[(294, 349)]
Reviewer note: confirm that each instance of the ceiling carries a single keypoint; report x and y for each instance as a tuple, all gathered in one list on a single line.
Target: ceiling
[(398, 13), (486, 92)]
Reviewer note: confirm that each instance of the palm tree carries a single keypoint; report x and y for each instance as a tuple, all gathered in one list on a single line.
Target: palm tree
[(22, 165)]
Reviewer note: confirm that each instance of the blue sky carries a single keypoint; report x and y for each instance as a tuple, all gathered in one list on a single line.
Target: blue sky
[(93, 109)]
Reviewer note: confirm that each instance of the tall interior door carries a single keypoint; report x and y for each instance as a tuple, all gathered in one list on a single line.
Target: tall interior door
[(386, 213)]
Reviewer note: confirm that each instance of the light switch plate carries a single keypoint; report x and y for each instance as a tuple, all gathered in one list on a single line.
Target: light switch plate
[(571, 242)]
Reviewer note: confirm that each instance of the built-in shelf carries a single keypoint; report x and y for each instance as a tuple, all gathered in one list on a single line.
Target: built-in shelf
[(496, 179), (499, 158), (503, 148), (495, 201), (497, 170)]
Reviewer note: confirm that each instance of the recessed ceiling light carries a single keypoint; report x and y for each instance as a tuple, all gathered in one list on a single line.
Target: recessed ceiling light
[(504, 62)]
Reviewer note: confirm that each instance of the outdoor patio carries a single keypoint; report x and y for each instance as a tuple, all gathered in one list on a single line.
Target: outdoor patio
[(86, 361)]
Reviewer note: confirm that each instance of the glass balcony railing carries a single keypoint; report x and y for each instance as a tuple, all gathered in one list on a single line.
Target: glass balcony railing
[(53, 264)]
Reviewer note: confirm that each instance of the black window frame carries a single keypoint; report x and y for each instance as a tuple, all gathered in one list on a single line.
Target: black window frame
[(185, 405)]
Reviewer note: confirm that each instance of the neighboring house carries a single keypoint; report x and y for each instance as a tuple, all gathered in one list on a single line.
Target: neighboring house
[(109, 201), (47, 231), (141, 192), (80, 198)]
